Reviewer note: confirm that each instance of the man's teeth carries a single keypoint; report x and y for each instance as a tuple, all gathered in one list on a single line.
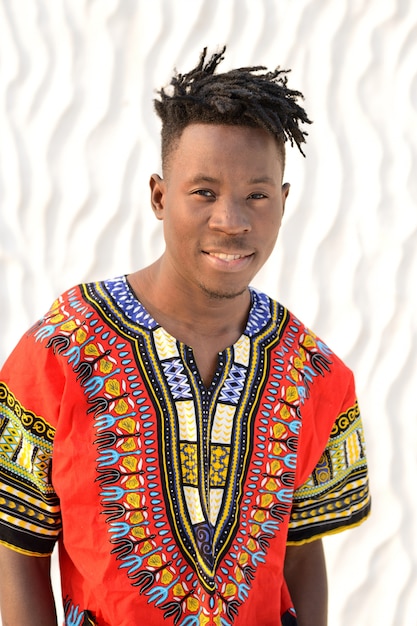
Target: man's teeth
[(227, 257)]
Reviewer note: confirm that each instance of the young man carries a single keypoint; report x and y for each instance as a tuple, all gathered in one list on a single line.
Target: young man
[(186, 439)]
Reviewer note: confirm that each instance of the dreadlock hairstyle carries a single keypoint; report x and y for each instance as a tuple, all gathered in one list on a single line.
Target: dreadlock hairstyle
[(241, 97)]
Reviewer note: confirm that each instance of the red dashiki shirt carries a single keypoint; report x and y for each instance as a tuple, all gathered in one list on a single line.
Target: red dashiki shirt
[(173, 503)]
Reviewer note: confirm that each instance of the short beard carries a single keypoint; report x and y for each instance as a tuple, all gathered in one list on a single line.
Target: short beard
[(222, 295)]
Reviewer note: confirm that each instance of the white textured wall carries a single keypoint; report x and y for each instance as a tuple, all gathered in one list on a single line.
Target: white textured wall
[(79, 140)]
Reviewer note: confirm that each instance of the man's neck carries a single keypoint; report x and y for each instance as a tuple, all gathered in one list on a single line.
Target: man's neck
[(190, 312)]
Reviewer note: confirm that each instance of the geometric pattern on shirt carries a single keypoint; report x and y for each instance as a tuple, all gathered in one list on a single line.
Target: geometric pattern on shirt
[(219, 465), (336, 494), (171, 537), (260, 314), (212, 443), (233, 386), (140, 427), (202, 456), (27, 499), (120, 292), (242, 350), (177, 379), (198, 425)]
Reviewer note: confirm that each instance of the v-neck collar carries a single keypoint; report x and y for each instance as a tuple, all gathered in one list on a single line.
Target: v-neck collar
[(119, 288)]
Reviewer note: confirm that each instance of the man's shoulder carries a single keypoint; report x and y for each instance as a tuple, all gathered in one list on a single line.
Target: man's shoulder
[(81, 291)]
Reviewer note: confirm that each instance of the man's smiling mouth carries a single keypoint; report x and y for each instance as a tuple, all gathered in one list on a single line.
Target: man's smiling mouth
[(227, 257)]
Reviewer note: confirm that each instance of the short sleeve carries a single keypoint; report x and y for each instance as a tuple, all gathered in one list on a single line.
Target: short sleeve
[(30, 519), (336, 494)]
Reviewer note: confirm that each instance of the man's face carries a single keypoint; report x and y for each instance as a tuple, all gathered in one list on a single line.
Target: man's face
[(221, 202)]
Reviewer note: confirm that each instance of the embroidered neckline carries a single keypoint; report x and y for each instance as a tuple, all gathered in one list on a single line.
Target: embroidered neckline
[(122, 293)]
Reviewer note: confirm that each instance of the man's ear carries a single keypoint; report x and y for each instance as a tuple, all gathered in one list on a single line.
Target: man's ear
[(285, 191), (157, 185)]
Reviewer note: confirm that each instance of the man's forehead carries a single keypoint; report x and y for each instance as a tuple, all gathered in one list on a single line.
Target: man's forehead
[(203, 177), (205, 140)]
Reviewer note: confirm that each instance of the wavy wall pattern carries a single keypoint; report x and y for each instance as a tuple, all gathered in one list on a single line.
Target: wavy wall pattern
[(79, 140)]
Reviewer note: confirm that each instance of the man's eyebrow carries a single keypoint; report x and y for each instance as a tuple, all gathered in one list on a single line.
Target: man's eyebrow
[(203, 178), (261, 179)]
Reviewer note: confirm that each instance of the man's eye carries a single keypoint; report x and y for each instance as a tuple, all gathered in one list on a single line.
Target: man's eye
[(204, 192), (257, 196)]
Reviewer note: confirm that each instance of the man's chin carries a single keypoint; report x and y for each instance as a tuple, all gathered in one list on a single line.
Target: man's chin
[(223, 294)]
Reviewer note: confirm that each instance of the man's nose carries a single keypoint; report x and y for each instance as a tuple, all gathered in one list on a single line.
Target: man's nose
[(230, 215)]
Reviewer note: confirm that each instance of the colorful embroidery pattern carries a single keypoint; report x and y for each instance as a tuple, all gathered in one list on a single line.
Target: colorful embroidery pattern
[(74, 616), (337, 493), (27, 500), (202, 517), (196, 484)]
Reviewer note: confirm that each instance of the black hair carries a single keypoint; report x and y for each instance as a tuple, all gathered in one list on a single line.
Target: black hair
[(248, 96)]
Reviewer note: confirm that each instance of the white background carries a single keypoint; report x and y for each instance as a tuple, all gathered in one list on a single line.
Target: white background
[(79, 139)]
